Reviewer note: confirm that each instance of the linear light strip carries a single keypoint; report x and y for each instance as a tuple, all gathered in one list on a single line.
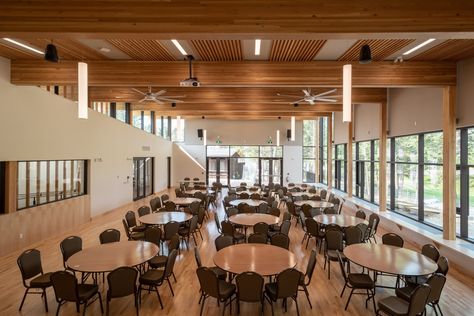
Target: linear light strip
[(23, 45), (204, 137), (258, 43), (347, 93), (293, 126), (418, 46), (278, 138), (179, 47)]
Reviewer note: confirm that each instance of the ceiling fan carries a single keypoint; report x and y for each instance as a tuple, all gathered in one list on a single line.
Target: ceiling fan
[(158, 97), (312, 98)]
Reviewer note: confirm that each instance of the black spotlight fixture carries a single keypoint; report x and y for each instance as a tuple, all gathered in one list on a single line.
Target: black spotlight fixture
[(296, 105), (51, 53), (279, 117), (173, 105), (365, 56), (203, 117)]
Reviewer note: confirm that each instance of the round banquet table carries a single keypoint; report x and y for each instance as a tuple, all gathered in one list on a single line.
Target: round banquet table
[(303, 193), (250, 202), (390, 259), (340, 220), (108, 257), (250, 219), (316, 204), (185, 201), (260, 258), (162, 218), (208, 191)]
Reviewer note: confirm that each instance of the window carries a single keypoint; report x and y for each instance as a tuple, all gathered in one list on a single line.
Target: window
[(309, 150), (366, 170), (465, 184), (142, 177), (177, 130), (143, 120), (323, 150), (41, 182), (121, 111), (162, 127), (340, 167)]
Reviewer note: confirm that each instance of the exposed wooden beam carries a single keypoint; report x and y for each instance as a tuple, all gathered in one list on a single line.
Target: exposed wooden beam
[(449, 163), (236, 74), (257, 17), (383, 158)]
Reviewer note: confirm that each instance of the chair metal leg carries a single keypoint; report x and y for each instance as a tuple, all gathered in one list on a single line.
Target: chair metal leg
[(373, 300), (59, 306), (297, 308), (24, 297), (45, 300), (202, 305), (343, 289), (171, 288), (107, 307), (307, 296), (159, 297), (349, 299), (84, 310), (100, 302)]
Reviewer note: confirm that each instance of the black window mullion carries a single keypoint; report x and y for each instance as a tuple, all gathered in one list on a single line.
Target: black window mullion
[(421, 174), (169, 127), (142, 113), (464, 194), (113, 110), (392, 174), (372, 173), (345, 167), (127, 113)]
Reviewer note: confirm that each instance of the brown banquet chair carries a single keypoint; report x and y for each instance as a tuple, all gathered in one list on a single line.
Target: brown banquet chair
[(249, 289), (396, 306), (109, 236), (122, 282), (286, 286), (306, 277), (211, 286)]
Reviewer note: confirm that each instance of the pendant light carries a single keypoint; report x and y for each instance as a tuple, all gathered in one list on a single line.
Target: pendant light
[(347, 93), (83, 98), (51, 53), (293, 126), (365, 56)]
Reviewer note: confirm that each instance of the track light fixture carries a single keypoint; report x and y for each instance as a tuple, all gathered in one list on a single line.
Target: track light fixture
[(51, 53), (365, 56), (173, 105), (295, 105)]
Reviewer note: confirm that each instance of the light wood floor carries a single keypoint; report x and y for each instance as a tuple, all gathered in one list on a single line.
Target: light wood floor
[(457, 297)]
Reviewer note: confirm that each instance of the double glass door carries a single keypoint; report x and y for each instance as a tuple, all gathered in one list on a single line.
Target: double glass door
[(271, 171), (142, 177)]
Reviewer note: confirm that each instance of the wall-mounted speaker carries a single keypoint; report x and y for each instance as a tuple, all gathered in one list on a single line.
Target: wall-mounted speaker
[(288, 134), (200, 133)]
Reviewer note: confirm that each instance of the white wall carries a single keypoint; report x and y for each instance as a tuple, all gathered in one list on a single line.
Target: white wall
[(184, 166), (292, 164), (37, 125), (465, 93)]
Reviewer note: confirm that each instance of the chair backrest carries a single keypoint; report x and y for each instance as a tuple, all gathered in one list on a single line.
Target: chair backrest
[(194, 207), (392, 239), (201, 216), (275, 211), (241, 207), (193, 224), (164, 198), (109, 235), (122, 282), (302, 220), (155, 203), (244, 195), (312, 190), (170, 206), (197, 256), (126, 228), (65, 286), (287, 283), (223, 241), (291, 208), (131, 219), (315, 211), (443, 265), (262, 208), (170, 263), (255, 196), (361, 214), (29, 263), (70, 246), (143, 210), (330, 210), (249, 287), (153, 234), (436, 281), (310, 267), (333, 226), (312, 227), (323, 194), (353, 235), (418, 300), (363, 228), (261, 228), (231, 211), (315, 198), (304, 197), (227, 228), (285, 227), (374, 221), (171, 228), (431, 252), (257, 238), (208, 281), (218, 223), (179, 193), (334, 240), (280, 240), (173, 243), (286, 216), (306, 209)]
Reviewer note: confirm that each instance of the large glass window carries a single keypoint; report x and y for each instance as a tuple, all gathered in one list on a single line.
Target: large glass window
[(177, 130), (366, 170), (340, 167), (41, 182), (309, 150)]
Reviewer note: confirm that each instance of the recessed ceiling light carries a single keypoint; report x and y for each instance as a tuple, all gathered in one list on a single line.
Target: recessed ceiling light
[(179, 47), (104, 49), (23, 45), (418, 46), (258, 43)]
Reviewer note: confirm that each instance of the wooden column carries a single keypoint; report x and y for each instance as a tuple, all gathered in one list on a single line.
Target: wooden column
[(329, 141), (316, 154), (449, 162), (350, 136), (11, 186), (383, 158)]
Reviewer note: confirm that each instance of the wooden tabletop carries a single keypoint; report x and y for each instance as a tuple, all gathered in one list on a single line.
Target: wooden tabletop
[(250, 219), (185, 200), (162, 218), (390, 259), (249, 192), (248, 201), (108, 257), (303, 193), (341, 220), (260, 258), (317, 204), (192, 191)]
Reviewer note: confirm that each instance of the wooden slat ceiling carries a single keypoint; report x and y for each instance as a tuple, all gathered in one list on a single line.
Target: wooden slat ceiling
[(380, 48), (450, 50), (143, 50), (218, 50), (295, 50), (13, 53), (69, 49)]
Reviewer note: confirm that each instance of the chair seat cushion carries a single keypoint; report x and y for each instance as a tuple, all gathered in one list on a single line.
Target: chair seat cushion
[(405, 292), (393, 305), (158, 261), (86, 291), (360, 280), (41, 281), (137, 235), (140, 228), (238, 236), (221, 274), (271, 290), (226, 289), (152, 277)]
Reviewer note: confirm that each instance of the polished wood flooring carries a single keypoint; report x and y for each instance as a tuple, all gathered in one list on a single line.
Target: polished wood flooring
[(457, 297)]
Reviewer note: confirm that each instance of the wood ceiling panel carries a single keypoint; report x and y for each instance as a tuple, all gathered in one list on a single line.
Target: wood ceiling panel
[(143, 50), (295, 50), (380, 49), (218, 50), (69, 49), (12, 53), (450, 50)]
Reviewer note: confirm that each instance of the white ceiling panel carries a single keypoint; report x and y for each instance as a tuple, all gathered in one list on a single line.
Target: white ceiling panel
[(334, 48)]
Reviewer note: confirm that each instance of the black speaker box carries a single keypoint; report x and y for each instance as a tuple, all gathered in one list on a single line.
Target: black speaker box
[(200, 134)]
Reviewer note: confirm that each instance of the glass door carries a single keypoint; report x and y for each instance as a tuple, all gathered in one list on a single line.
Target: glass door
[(271, 171), (218, 170), (142, 177)]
